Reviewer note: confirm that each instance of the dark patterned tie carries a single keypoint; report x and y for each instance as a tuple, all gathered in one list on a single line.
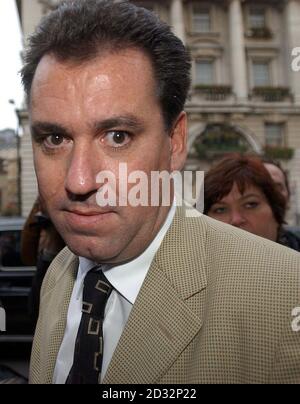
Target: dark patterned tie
[(88, 354)]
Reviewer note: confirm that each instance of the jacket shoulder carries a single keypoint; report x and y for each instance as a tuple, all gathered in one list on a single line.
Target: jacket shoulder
[(63, 262), (232, 238)]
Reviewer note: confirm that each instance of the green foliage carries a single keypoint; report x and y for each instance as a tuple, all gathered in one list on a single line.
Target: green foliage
[(260, 33), (218, 140), (279, 153), (213, 89), (271, 94)]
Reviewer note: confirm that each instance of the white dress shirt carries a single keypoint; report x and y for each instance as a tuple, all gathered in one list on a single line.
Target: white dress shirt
[(127, 280)]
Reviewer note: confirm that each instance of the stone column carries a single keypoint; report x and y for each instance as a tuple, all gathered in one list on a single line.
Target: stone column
[(29, 188), (237, 48), (177, 19), (293, 40)]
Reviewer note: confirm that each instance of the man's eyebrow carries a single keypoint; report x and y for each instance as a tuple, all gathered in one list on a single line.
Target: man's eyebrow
[(128, 121), (47, 127)]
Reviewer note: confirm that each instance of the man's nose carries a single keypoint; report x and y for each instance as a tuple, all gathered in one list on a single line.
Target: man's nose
[(82, 173), (237, 219)]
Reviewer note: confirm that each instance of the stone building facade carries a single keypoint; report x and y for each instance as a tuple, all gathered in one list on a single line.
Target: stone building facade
[(9, 184), (245, 94)]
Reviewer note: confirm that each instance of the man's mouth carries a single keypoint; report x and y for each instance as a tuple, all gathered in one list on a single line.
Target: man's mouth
[(86, 218), (85, 212)]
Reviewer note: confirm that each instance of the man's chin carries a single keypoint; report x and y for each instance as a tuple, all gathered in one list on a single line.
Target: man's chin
[(96, 253)]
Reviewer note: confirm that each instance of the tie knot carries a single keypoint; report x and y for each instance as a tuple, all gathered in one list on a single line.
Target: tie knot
[(96, 292), (88, 354)]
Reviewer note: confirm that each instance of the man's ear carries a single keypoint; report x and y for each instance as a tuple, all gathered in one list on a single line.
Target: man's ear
[(179, 143)]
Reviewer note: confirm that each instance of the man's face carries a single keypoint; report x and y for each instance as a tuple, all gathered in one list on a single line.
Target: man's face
[(87, 118), (279, 179), (249, 211)]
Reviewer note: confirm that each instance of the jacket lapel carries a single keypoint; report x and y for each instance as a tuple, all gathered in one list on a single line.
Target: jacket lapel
[(162, 322), (58, 300)]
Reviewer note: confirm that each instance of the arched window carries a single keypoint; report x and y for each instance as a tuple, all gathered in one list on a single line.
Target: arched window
[(218, 139)]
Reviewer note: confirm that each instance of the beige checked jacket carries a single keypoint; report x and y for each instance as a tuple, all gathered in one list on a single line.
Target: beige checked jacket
[(215, 307)]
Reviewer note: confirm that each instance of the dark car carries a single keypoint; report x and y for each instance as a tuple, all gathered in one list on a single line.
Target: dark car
[(15, 283), (295, 230)]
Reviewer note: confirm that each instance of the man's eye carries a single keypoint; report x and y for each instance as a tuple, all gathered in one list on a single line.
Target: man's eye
[(54, 140), (117, 139)]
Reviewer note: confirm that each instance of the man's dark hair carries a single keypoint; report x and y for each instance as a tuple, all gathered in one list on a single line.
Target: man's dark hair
[(80, 30), (272, 162)]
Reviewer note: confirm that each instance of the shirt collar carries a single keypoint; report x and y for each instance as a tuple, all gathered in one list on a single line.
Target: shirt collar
[(128, 278)]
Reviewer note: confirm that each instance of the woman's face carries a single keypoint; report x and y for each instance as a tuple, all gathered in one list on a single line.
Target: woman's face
[(250, 211)]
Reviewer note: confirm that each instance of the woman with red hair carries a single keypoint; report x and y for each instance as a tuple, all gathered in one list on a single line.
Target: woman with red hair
[(240, 191)]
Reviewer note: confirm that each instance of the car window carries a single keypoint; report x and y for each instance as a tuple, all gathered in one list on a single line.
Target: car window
[(295, 230), (10, 249)]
